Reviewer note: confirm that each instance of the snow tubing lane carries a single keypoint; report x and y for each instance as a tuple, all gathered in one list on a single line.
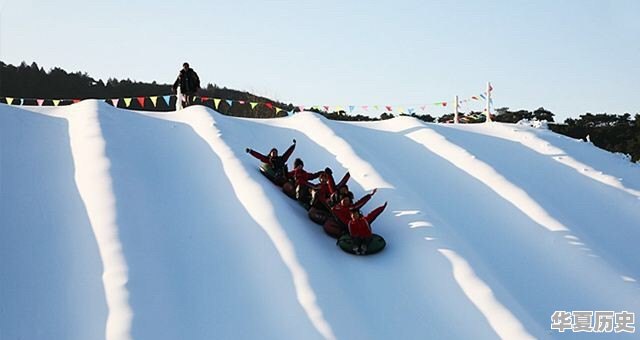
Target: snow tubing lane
[(376, 244)]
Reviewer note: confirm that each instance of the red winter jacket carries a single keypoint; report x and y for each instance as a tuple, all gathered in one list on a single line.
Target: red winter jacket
[(361, 227), (326, 189), (343, 212), (301, 177)]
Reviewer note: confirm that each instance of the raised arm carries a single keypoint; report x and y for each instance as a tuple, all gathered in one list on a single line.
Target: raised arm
[(289, 151), (330, 183), (258, 155), (361, 202), (344, 179), (375, 213)]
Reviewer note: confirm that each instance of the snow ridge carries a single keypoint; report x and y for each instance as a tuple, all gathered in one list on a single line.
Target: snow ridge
[(94, 183), (462, 159), (530, 140), (253, 197), (500, 318)]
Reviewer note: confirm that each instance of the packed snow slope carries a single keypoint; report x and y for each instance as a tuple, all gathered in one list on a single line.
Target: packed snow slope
[(119, 224)]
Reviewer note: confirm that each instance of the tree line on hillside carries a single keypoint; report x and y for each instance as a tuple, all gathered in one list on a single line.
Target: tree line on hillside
[(32, 81), (616, 133)]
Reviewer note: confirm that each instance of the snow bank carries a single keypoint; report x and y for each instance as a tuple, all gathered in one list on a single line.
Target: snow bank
[(190, 241)]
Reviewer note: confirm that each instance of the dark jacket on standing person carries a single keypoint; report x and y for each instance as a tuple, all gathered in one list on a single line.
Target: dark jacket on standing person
[(188, 81)]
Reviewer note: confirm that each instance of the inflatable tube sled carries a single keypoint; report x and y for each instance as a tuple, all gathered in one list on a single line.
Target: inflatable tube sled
[(334, 228), (318, 216), (268, 172), (289, 189), (376, 244)]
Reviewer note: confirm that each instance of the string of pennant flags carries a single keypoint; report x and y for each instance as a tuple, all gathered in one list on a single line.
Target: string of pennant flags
[(167, 100)]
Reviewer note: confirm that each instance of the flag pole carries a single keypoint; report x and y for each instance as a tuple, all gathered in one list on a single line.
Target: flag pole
[(488, 102), (455, 114)]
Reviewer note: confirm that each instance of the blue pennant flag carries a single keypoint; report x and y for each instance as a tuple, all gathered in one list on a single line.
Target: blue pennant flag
[(167, 99), (230, 102)]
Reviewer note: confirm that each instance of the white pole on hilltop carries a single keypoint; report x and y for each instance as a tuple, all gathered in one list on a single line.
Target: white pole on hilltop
[(488, 102), (455, 113), (178, 99)]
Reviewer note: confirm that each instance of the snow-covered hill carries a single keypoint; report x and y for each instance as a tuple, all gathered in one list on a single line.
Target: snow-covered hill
[(124, 224)]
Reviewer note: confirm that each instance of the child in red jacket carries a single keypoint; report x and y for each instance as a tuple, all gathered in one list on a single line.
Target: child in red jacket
[(342, 210), (325, 189), (301, 180), (360, 228)]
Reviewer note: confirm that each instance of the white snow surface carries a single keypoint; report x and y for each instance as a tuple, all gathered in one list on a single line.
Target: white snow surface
[(119, 224)]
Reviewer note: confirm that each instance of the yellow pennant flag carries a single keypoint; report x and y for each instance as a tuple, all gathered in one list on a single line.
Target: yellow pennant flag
[(376, 107), (253, 105), (216, 101), (56, 102), (127, 102), (9, 100), (154, 100), (278, 110), (400, 109)]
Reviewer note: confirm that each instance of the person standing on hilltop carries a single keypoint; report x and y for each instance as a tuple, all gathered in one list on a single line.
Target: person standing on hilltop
[(189, 83)]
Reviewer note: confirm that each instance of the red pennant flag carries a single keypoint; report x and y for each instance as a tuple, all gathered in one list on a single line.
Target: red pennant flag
[(365, 107), (269, 105), (326, 108), (241, 102), (40, 101), (75, 101), (422, 108), (490, 87), (444, 103), (204, 99), (389, 108), (140, 101)]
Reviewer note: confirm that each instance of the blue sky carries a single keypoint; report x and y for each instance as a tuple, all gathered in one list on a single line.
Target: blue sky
[(570, 56)]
